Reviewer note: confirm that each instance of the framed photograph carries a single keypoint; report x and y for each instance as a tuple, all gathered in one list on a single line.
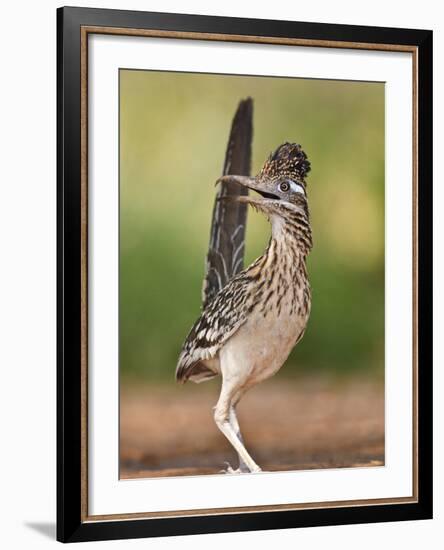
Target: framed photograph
[(244, 274)]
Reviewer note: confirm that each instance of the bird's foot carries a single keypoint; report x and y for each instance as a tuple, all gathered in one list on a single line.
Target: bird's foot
[(230, 470), (240, 470)]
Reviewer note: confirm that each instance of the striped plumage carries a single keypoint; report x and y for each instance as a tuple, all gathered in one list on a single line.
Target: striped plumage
[(246, 332), (276, 279)]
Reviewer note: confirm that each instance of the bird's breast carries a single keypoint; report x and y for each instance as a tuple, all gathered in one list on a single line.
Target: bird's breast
[(275, 324)]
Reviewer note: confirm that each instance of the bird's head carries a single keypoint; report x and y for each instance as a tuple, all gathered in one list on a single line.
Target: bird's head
[(281, 182)]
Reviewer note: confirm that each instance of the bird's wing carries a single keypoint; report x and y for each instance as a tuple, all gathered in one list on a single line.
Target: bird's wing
[(225, 256), (220, 319)]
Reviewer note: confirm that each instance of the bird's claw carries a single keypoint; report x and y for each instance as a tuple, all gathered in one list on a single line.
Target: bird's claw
[(244, 470), (230, 470)]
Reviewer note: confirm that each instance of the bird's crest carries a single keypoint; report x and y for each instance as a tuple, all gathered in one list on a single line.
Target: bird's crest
[(288, 160)]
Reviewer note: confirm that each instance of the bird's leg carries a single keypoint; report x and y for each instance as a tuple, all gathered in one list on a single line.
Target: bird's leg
[(235, 425), (222, 419)]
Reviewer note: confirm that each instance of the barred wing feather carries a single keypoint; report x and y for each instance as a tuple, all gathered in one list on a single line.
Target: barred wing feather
[(222, 317)]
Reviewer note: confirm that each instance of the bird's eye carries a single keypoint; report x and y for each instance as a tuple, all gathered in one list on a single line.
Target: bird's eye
[(284, 186)]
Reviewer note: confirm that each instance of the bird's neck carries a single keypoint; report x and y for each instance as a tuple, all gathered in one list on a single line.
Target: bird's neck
[(292, 235), (281, 272), (287, 249)]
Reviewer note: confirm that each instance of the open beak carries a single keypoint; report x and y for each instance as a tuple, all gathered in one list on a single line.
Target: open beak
[(249, 182)]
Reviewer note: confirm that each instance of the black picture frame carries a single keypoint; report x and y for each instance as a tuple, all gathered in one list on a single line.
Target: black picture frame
[(71, 523)]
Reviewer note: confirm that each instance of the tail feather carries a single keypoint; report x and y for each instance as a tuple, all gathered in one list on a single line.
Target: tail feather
[(225, 256), (196, 372)]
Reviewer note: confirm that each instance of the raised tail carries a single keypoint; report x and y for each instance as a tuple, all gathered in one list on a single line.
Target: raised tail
[(225, 256)]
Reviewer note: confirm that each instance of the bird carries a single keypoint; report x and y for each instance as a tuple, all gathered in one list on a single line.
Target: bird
[(252, 319)]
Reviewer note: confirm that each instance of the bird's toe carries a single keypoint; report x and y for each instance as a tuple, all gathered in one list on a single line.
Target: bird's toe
[(230, 470)]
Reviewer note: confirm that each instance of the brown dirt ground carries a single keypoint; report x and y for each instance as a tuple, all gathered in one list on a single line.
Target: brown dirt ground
[(286, 424)]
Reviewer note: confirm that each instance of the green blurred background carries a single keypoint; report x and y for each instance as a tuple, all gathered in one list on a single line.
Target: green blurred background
[(173, 133)]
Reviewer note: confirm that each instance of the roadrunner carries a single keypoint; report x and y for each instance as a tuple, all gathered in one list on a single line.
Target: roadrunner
[(250, 324)]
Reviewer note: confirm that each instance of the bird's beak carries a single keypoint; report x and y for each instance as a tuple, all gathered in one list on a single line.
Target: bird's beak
[(249, 182), (245, 181)]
